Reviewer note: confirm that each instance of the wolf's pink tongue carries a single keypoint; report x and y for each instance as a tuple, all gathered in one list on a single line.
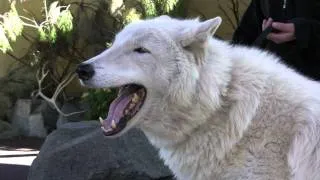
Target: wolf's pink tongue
[(116, 109)]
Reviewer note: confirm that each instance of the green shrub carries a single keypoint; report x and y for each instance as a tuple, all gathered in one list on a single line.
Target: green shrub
[(99, 101)]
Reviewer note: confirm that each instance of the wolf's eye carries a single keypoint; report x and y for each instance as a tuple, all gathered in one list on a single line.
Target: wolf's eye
[(141, 50)]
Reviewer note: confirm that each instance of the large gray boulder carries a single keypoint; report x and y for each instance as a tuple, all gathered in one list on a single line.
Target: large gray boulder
[(48, 112), (72, 108), (80, 151), (20, 118), (36, 126), (26, 122), (5, 105), (7, 131)]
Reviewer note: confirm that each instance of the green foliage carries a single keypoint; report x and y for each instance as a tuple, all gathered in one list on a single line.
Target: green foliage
[(64, 22), (52, 42), (52, 35), (12, 24), (4, 42), (149, 7), (131, 15), (54, 12), (59, 20), (58, 23), (48, 33), (153, 8), (168, 6), (42, 34), (99, 100)]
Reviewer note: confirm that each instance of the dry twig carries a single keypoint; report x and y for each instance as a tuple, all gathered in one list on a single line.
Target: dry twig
[(40, 76)]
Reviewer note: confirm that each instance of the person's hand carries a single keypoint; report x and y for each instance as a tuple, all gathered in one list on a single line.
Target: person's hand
[(286, 32), (266, 23)]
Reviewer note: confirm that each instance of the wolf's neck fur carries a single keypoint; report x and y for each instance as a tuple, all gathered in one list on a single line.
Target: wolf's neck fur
[(187, 127), (217, 129)]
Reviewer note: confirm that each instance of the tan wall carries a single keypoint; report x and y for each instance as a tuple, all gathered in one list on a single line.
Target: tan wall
[(211, 8), (194, 8), (4, 63), (21, 45)]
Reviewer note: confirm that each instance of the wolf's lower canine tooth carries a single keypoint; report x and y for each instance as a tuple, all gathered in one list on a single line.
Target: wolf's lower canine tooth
[(106, 130), (126, 111), (101, 120), (113, 124)]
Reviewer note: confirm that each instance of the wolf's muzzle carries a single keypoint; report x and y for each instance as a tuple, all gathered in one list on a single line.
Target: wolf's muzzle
[(85, 71)]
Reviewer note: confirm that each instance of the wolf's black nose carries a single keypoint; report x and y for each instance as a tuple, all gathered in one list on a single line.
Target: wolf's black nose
[(85, 71)]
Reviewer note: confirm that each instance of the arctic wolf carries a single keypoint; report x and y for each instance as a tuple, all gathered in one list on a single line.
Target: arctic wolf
[(214, 110)]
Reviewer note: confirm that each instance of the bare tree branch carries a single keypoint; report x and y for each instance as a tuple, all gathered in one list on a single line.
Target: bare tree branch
[(40, 76), (235, 10)]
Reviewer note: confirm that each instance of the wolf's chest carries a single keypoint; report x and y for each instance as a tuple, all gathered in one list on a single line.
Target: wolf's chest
[(242, 162)]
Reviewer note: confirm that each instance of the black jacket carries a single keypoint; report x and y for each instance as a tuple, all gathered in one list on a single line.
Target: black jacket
[(302, 54)]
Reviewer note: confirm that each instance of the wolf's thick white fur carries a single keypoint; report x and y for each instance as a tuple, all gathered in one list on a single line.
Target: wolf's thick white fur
[(216, 111)]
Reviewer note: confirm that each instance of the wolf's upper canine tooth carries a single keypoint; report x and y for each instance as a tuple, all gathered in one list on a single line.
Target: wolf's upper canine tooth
[(113, 124), (126, 111), (101, 120), (135, 98)]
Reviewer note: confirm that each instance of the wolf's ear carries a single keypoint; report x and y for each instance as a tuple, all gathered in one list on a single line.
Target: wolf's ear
[(201, 32)]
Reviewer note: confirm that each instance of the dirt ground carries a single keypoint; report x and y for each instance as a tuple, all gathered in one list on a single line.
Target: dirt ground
[(16, 156)]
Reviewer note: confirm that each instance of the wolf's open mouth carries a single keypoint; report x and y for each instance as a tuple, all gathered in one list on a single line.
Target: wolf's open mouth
[(123, 108)]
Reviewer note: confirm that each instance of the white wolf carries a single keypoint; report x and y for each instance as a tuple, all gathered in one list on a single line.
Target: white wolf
[(214, 110)]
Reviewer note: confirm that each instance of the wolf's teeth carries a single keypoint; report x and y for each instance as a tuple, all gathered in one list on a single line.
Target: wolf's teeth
[(101, 120), (126, 111), (132, 105), (106, 130), (113, 124), (135, 98)]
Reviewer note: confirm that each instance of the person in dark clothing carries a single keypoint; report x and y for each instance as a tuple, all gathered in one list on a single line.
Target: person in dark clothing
[(288, 28)]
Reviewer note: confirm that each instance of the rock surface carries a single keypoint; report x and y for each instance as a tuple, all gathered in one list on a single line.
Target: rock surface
[(7, 131), (49, 114), (80, 151), (71, 108), (5, 105), (36, 126), (21, 114), (28, 123)]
